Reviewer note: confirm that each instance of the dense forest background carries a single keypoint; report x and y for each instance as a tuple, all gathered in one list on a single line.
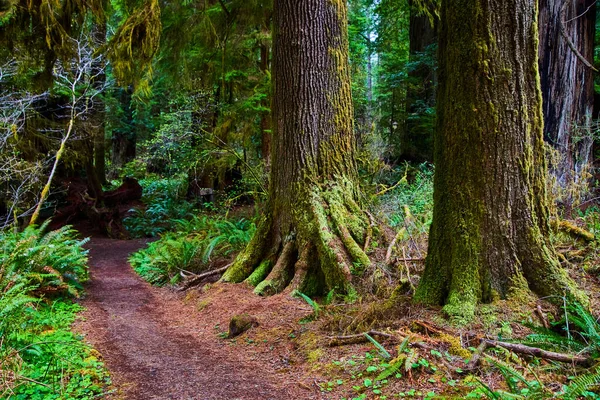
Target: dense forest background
[(179, 121)]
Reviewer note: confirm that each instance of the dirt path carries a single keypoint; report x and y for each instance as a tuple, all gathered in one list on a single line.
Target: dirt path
[(150, 354)]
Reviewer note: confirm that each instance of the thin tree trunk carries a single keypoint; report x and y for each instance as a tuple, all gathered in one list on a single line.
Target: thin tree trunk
[(490, 234), (568, 86), (265, 118), (308, 239), (98, 68), (124, 140)]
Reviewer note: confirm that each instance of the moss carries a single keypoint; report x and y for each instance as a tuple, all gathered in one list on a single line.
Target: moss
[(240, 323), (250, 257), (313, 356), (202, 304), (455, 346), (260, 273)]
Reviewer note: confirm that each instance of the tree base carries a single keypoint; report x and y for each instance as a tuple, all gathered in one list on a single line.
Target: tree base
[(311, 246)]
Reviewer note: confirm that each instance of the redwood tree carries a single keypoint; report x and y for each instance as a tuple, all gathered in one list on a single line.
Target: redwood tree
[(567, 30), (489, 236), (310, 236)]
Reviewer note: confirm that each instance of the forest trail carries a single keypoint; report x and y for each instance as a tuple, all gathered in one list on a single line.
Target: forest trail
[(130, 323)]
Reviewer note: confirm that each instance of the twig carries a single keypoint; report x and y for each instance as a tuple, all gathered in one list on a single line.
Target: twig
[(476, 356), (387, 189), (565, 35), (407, 270), (542, 317), (195, 280), (388, 254), (369, 230)]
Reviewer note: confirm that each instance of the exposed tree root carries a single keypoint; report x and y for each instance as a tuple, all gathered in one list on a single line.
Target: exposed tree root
[(313, 247)]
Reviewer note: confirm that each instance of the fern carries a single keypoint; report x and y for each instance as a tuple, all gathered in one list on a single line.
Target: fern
[(578, 331), (192, 248), (581, 385), (54, 261), (384, 353)]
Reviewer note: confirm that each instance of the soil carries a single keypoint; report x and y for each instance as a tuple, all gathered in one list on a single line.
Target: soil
[(159, 344)]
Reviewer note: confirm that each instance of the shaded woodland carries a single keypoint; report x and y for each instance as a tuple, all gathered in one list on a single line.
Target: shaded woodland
[(418, 176)]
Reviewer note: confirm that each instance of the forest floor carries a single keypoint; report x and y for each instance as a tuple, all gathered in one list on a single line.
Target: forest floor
[(159, 343), (154, 349)]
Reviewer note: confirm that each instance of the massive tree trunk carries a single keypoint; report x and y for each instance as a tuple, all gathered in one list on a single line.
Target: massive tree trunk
[(309, 237), (417, 138), (568, 85), (489, 236)]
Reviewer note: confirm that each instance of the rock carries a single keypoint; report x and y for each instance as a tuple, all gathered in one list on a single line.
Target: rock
[(240, 323)]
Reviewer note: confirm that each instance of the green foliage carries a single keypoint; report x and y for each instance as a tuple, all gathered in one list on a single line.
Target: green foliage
[(410, 203), (382, 351), (45, 360), (577, 331), (315, 306), (519, 387), (165, 205), (191, 248), (40, 358), (52, 262)]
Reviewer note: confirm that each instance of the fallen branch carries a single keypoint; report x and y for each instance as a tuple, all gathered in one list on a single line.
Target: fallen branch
[(197, 279), (526, 350), (542, 316), (476, 356), (369, 231), (390, 249), (575, 231)]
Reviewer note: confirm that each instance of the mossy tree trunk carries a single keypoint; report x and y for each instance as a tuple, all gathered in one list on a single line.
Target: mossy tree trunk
[(568, 85), (311, 234), (489, 235)]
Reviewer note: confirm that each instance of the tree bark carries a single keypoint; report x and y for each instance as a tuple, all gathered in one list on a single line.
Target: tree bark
[(265, 117), (490, 232), (99, 34), (417, 139), (124, 139), (309, 238), (568, 85)]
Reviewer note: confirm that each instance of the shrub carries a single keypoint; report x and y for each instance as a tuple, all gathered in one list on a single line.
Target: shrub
[(191, 248), (40, 358), (52, 262)]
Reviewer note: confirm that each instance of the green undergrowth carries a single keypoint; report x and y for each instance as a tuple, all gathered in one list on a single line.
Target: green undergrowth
[(191, 248), (408, 195), (165, 203), (425, 365), (40, 358)]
